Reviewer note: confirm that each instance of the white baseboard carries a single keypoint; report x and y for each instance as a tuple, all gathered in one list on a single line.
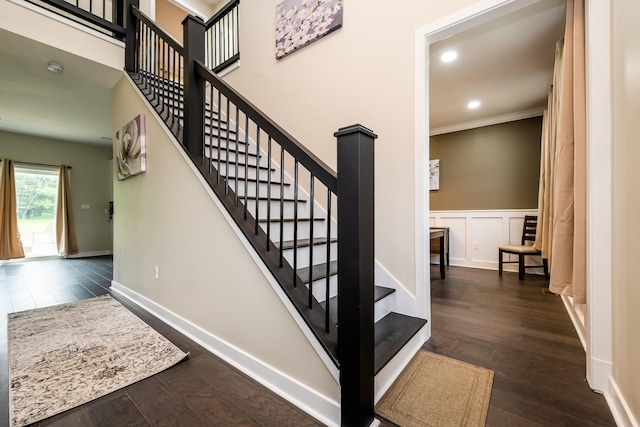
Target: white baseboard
[(575, 319), (405, 303), (619, 408), (318, 406), (89, 254)]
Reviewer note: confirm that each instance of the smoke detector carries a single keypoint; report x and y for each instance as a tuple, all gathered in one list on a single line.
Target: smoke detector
[(55, 68)]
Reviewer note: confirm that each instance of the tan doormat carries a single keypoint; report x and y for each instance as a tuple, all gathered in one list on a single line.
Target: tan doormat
[(437, 391), (66, 355)]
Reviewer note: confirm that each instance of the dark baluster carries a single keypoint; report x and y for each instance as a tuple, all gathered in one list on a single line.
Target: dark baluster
[(226, 183), (257, 179), (246, 157), (161, 78), (246, 164), (328, 270), (90, 6), (211, 134), (281, 205), (355, 273), (311, 203), (295, 224), (268, 191), (218, 134)]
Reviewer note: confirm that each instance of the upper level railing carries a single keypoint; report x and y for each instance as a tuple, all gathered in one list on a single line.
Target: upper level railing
[(225, 135), (222, 41), (106, 16)]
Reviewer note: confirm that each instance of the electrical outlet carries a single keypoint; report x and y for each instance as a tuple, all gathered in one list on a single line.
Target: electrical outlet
[(157, 271), (85, 206), (475, 246)]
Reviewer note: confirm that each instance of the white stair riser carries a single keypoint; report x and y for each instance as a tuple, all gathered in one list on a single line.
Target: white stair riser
[(320, 288), (288, 209), (383, 307), (319, 255), (319, 229)]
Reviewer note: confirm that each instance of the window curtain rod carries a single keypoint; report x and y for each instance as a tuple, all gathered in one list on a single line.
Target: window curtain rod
[(18, 163)]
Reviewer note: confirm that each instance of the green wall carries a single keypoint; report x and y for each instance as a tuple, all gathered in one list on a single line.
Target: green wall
[(492, 167)]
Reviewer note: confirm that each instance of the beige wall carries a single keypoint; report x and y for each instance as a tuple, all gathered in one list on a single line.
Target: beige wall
[(492, 167), (626, 201), (90, 181), (362, 73), (165, 218), (169, 17)]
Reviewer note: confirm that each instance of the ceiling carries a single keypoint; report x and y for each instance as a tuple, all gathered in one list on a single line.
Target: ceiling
[(72, 106), (506, 64)]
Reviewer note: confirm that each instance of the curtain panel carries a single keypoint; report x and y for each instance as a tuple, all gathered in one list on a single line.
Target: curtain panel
[(561, 233), (10, 244), (65, 232)]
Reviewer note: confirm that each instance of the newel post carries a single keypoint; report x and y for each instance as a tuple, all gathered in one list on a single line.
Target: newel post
[(355, 273), (193, 127), (131, 44)]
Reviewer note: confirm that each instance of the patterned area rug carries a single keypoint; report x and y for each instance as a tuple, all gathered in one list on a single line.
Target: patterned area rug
[(66, 355), (436, 391)]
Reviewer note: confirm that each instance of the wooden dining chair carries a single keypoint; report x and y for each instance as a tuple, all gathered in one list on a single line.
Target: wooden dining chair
[(523, 250)]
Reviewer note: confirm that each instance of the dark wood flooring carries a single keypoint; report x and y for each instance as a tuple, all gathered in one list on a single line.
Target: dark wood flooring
[(526, 337), (201, 391), (502, 324)]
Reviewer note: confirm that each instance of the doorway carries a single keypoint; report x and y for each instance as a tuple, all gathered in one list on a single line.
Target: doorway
[(36, 194), (599, 316)]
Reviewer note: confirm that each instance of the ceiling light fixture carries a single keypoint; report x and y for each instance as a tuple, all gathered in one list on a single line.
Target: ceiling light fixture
[(449, 56), (473, 105), (105, 138), (55, 68)]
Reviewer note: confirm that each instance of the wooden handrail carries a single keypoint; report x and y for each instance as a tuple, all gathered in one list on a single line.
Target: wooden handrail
[(310, 161)]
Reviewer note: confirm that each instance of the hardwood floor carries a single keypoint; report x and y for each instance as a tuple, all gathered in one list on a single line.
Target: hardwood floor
[(502, 324), (201, 391), (526, 337)]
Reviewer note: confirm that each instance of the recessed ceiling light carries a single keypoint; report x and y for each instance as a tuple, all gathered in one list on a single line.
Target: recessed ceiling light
[(55, 68), (449, 56), (473, 105)]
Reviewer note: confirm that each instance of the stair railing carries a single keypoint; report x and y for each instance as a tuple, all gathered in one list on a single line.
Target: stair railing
[(101, 15), (222, 40), (225, 135)]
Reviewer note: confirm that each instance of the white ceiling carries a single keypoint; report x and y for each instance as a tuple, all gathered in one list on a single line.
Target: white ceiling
[(506, 64), (72, 106)]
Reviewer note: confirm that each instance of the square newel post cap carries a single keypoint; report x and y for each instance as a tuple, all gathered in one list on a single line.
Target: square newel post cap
[(355, 129), (196, 19)]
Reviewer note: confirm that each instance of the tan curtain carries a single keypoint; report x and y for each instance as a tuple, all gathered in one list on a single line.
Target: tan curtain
[(10, 244), (561, 234), (65, 233)]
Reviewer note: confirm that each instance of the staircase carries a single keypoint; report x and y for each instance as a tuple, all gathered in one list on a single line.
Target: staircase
[(245, 170), (281, 196)]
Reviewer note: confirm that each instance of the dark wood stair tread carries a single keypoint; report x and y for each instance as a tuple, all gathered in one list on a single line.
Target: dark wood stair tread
[(319, 271), (303, 243), (391, 333), (275, 199), (291, 219), (380, 292)]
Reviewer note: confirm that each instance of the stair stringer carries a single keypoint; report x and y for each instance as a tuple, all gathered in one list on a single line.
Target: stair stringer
[(317, 405)]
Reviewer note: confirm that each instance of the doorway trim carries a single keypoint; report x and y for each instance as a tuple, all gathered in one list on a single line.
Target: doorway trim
[(598, 320)]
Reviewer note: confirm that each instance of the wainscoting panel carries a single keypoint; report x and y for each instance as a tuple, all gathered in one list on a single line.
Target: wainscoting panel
[(474, 236)]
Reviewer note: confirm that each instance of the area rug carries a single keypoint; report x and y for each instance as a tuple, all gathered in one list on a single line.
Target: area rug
[(66, 355), (437, 391)]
